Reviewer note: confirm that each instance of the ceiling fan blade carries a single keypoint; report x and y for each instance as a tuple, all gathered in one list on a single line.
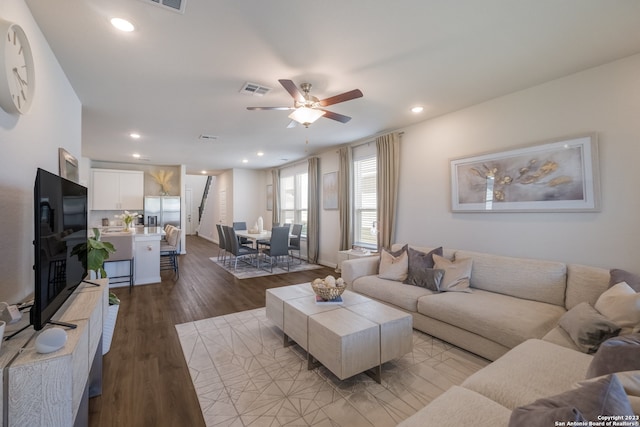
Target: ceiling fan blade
[(292, 124), (291, 87), (347, 96), (335, 116), (271, 108)]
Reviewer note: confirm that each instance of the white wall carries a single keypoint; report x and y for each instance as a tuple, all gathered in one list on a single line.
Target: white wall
[(605, 100), (249, 198), (30, 141)]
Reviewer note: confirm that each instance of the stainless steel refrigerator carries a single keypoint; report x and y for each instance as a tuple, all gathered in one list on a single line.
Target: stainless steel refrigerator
[(165, 210)]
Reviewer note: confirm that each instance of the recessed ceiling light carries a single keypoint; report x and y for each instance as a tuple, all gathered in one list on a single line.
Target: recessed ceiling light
[(245, 161), (122, 24), (136, 155), (134, 135), (203, 172), (417, 109), (260, 154)]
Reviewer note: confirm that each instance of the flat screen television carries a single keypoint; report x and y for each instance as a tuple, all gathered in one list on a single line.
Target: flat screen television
[(60, 217)]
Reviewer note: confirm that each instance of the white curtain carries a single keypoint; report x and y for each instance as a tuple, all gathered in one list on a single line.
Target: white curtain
[(313, 223), (344, 197), (388, 169)]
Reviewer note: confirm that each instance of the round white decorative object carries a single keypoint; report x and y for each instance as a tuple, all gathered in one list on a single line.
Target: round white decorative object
[(50, 340), (17, 73), (260, 225)]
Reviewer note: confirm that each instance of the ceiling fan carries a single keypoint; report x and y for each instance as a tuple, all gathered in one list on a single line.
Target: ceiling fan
[(307, 108)]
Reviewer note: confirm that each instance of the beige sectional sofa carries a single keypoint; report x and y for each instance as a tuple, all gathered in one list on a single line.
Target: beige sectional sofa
[(511, 317), (512, 299)]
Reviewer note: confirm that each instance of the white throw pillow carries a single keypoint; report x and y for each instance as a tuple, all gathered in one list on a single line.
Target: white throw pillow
[(621, 304), (394, 267), (456, 273)]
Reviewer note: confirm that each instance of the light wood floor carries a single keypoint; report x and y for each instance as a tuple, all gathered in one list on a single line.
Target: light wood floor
[(145, 377)]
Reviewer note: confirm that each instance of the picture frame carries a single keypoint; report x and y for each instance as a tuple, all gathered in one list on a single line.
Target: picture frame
[(270, 197), (330, 191), (560, 175), (68, 165)]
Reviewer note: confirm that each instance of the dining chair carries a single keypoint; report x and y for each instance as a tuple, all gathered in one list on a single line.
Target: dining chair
[(266, 242), (235, 248), (169, 251), (278, 247), (222, 251), (241, 225), (294, 242)]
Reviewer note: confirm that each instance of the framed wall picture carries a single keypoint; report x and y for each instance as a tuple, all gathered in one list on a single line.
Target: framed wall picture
[(68, 165), (330, 191), (270, 197), (560, 175)]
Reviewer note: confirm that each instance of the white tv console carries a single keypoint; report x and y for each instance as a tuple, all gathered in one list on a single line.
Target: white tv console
[(53, 389)]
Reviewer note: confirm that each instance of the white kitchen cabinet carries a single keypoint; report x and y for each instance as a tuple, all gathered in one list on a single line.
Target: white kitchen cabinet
[(147, 259), (117, 189)]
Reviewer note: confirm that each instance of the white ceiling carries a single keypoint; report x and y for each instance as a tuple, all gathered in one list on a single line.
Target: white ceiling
[(179, 75)]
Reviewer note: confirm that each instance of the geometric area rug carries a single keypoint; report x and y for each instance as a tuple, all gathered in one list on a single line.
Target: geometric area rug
[(247, 271), (243, 376)]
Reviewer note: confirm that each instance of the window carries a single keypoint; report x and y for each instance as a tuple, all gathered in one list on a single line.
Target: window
[(365, 198), (293, 197)]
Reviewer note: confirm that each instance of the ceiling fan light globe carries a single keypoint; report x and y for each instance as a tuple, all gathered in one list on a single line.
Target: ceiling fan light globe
[(306, 116)]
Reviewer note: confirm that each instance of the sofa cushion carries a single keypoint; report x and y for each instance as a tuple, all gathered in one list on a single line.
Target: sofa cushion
[(617, 275), (456, 273), (631, 382), (419, 262), (536, 280), (459, 407), (621, 305), (393, 266), (506, 320), (561, 337), (587, 328), (429, 278), (585, 284), (392, 292), (616, 355), (447, 253), (530, 371), (588, 402)]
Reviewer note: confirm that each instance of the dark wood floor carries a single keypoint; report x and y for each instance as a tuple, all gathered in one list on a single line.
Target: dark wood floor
[(145, 377)]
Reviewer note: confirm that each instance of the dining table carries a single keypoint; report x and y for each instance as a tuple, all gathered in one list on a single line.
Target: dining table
[(256, 236), (265, 235)]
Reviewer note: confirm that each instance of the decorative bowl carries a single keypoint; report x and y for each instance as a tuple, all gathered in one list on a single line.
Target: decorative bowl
[(328, 288)]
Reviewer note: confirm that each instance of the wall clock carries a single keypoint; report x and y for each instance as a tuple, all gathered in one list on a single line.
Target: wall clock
[(17, 76)]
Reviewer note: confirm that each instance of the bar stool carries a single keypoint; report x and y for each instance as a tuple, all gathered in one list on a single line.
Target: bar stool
[(124, 252)]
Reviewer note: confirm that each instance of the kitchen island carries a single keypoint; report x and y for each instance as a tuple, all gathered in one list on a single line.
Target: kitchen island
[(145, 245)]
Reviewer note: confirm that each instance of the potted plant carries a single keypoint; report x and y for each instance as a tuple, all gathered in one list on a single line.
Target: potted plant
[(110, 322), (128, 218), (95, 252)]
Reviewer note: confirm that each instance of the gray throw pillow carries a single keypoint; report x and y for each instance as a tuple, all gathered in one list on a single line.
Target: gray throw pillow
[(418, 261), (587, 328), (601, 397), (399, 251), (429, 278), (617, 276), (617, 354)]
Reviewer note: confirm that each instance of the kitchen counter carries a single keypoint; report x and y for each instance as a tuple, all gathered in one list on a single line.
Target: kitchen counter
[(145, 243), (137, 231)]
